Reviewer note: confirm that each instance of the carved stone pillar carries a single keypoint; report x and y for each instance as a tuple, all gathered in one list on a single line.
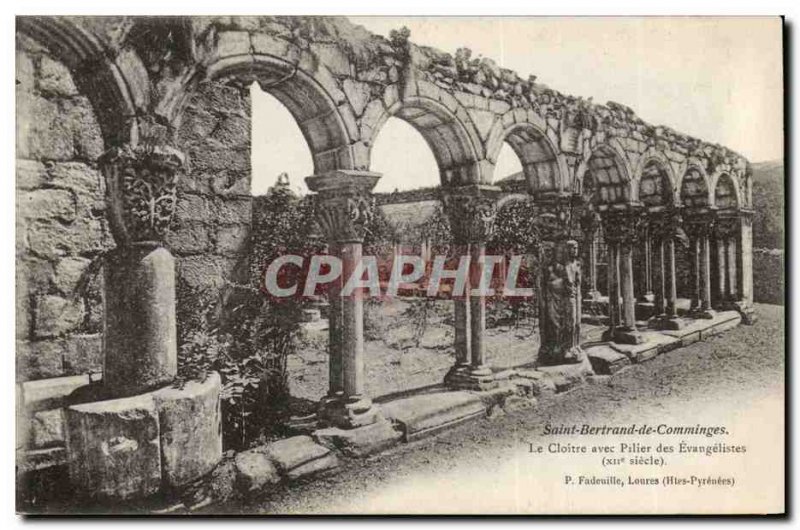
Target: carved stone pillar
[(344, 206), (699, 228), (623, 229), (471, 210), (140, 338)]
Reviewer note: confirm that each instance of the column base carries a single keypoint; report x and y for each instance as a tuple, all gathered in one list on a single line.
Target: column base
[(702, 314), (622, 335), (670, 323), (464, 377), (649, 297), (747, 312), (348, 413)]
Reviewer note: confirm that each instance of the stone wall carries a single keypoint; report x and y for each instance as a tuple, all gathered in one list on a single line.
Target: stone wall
[(60, 217), (212, 221), (768, 276)]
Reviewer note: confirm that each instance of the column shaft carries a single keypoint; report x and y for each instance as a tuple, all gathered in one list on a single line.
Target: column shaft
[(660, 285), (626, 285), (705, 269), (335, 326), (352, 339), (672, 284), (722, 270), (477, 312)]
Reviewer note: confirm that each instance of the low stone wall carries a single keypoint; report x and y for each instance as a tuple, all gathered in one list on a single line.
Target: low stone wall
[(768, 276)]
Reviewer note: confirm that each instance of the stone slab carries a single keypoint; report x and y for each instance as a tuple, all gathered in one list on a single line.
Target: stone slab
[(541, 384), (113, 447), (427, 414), (359, 442), (606, 360), (47, 429), (51, 393), (190, 426), (653, 343), (698, 329), (255, 471), (300, 456)]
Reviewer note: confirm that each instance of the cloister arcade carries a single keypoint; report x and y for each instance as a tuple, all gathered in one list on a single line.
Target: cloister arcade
[(596, 173)]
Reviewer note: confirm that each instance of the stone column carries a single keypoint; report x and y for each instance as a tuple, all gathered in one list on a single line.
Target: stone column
[(471, 211), (140, 338), (622, 232), (659, 277), (740, 263), (590, 224), (344, 207), (700, 228), (721, 295), (647, 293), (670, 225), (613, 289)]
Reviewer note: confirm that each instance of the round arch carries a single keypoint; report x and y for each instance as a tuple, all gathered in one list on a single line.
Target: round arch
[(653, 186), (606, 176), (328, 128), (726, 192), (118, 90), (693, 188), (545, 171), (452, 139)]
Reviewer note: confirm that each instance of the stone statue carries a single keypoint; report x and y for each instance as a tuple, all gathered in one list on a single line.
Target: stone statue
[(561, 308)]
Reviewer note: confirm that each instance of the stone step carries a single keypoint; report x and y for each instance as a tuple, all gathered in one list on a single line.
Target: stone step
[(427, 414)]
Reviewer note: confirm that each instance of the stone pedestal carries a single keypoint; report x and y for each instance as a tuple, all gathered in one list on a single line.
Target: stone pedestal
[(113, 448), (140, 329)]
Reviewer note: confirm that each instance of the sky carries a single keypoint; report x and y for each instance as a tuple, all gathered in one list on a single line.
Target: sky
[(719, 79)]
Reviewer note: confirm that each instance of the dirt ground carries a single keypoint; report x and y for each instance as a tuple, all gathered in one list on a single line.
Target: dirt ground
[(726, 373)]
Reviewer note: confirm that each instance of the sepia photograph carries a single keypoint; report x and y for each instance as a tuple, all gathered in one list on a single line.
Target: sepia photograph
[(399, 265)]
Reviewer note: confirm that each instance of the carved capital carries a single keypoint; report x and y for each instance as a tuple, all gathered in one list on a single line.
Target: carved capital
[(142, 191), (624, 227), (472, 212), (700, 225), (555, 215), (344, 204), (725, 227)]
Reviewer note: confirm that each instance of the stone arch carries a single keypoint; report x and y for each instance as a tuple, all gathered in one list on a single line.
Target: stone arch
[(606, 176), (693, 188), (116, 84), (655, 180), (544, 168), (328, 128), (726, 192), (446, 128)]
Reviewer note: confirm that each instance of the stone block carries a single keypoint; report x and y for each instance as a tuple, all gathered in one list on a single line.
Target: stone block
[(191, 207), (47, 429), (188, 238), (234, 211), (85, 181), (38, 459), (30, 174), (68, 272), (541, 385), (54, 315), (255, 471), (299, 456), (47, 204), (361, 441), (83, 353), (358, 95), (113, 447), (605, 360), (55, 78), (190, 427), (426, 414), (231, 239), (52, 393), (50, 239)]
